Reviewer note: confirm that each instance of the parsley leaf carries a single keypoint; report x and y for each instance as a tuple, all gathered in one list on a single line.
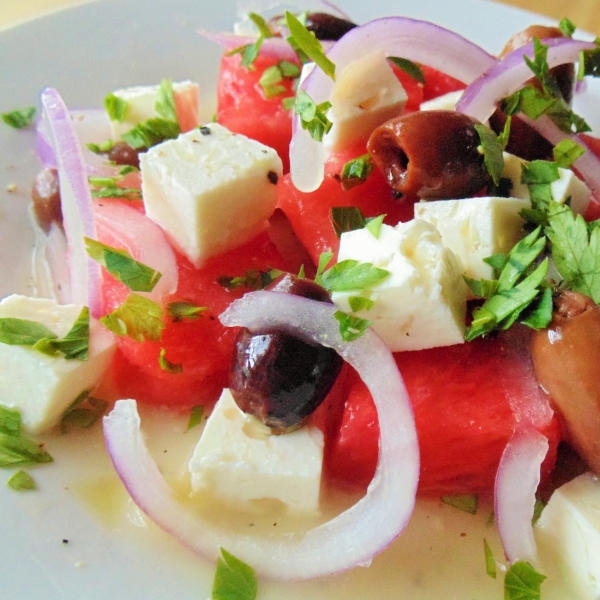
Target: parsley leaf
[(195, 417), (234, 579), (263, 28), (492, 147), (465, 502), (84, 412), (184, 310), (350, 275), (138, 317), (20, 118), (575, 250), (409, 67), (309, 44), (360, 303), (567, 27), (313, 117), (269, 80), (115, 107), (538, 175), (102, 148), (21, 482), (490, 561), (22, 332), (324, 260), (522, 582), (10, 421), (167, 365), (75, 344), (351, 326), (165, 101), (123, 267), (249, 53), (253, 279), (374, 225), (356, 171), (21, 451), (346, 218), (566, 152)]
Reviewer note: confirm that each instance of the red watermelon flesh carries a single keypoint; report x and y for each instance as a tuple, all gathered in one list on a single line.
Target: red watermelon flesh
[(464, 416)]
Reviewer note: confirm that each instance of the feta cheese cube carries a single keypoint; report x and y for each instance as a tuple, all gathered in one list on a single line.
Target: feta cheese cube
[(476, 228), (239, 460), (42, 387), (211, 190), (366, 94), (567, 186), (141, 102), (569, 530), (445, 102), (422, 303)]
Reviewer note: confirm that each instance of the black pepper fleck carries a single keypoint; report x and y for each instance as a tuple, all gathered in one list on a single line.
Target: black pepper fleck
[(205, 130), (463, 535), (65, 541), (273, 177)]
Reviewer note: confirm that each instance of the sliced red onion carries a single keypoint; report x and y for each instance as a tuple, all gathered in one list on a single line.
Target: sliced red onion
[(481, 98), (274, 47), (124, 227), (76, 203), (517, 481), (348, 540), (419, 41)]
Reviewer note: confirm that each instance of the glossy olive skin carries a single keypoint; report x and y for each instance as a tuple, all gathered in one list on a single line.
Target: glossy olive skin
[(277, 377), (123, 154), (525, 141), (566, 357), (45, 193), (328, 27), (431, 154)]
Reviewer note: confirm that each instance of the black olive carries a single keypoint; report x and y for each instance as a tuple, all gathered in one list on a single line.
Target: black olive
[(431, 154), (123, 154), (328, 27), (277, 377), (46, 199)]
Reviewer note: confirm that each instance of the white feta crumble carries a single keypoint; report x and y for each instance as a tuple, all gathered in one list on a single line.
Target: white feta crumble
[(444, 102), (567, 186), (569, 528), (211, 190), (239, 460), (476, 228), (42, 387), (141, 103), (366, 94), (422, 303)]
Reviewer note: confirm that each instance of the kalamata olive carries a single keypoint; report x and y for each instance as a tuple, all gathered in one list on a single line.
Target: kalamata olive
[(277, 377), (524, 140), (566, 357), (433, 155), (123, 154), (328, 27), (46, 198)]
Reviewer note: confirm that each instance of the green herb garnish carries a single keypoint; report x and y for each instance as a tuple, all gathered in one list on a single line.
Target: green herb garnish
[(313, 117), (567, 27), (263, 28), (84, 412), (20, 118), (167, 365), (253, 279), (138, 318), (490, 561), (409, 67), (522, 582), (195, 417), (234, 579), (309, 44), (351, 326), (349, 275), (492, 147), (21, 482), (10, 421), (360, 303), (123, 267), (102, 148), (75, 345), (346, 218), (21, 451), (184, 310), (356, 171), (115, 107), (22, 332), (566, 152), (466, 502)]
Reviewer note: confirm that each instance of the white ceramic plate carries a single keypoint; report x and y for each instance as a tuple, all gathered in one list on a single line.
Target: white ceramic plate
[(76, 538)]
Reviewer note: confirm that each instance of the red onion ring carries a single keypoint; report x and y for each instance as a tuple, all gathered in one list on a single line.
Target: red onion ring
[(76, 203), (480, 99), (348, 540), (419, 41), (517, 481)]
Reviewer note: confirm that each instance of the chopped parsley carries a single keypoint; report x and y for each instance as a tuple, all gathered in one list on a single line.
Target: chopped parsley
[(358, 303), (566, 152), (22, 332), (184, 310), (15, 449), (466, 502), (102, 148), (409, 67), (115, 107), (522, 582), (20, 118), (350, 275), (346, 218), (351, 326), (107, 187), (356, 171), (309, 44), (234, 579), (21, 482), (313, 117), (253, 279), (138, 318), (490, 561), (274, 75), (567, 27), (123, 267), (10, 421), (492, 147), (195, 417), (263, 28), (167, 365), (84, 412)]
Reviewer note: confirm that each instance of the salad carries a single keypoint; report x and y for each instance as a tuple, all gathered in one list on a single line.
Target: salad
[(51, 102)]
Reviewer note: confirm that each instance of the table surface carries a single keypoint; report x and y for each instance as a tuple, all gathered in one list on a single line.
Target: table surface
[(584, 13)]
